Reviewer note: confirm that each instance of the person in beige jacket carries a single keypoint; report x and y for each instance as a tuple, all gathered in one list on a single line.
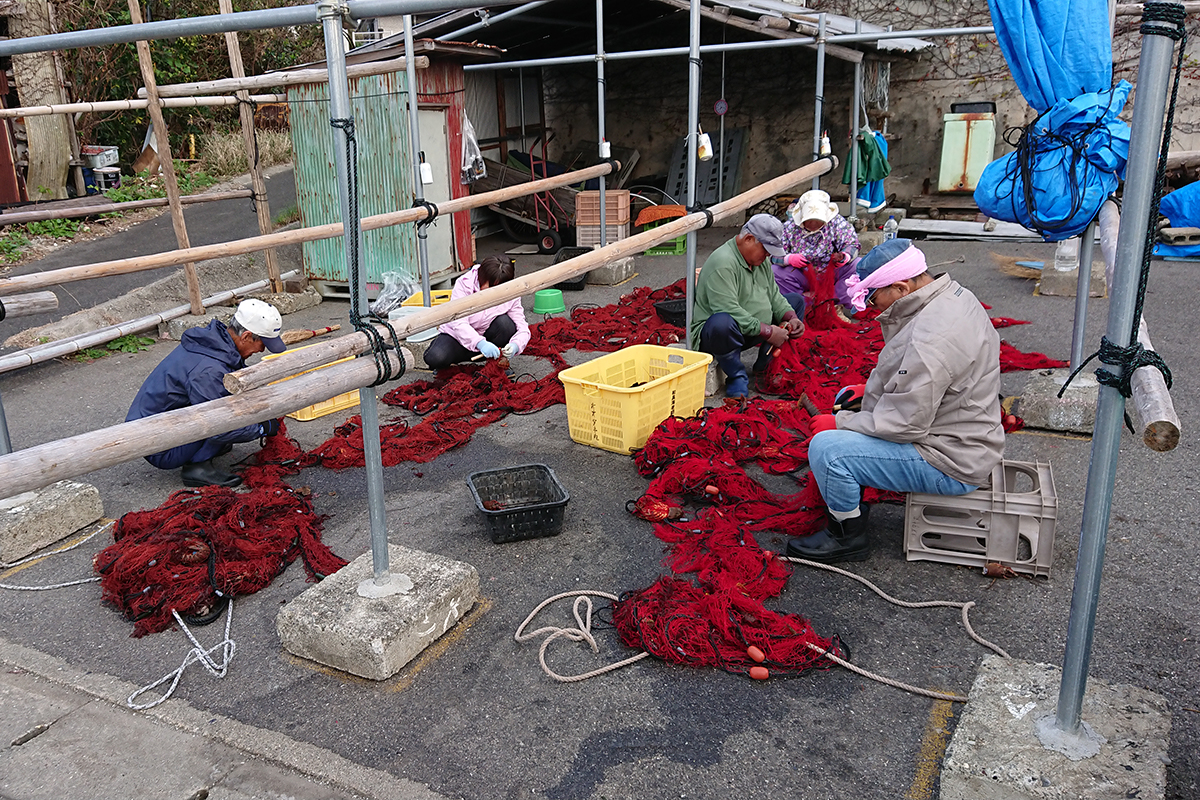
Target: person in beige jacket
[(929, 419)]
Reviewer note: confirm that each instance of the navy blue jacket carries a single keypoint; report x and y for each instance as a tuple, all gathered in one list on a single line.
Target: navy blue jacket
[(192, 374)]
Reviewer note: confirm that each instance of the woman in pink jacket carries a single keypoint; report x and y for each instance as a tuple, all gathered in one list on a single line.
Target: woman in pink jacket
[(494, 331)]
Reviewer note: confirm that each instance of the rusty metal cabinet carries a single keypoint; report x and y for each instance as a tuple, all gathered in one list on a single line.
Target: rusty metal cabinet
[(968, 140)]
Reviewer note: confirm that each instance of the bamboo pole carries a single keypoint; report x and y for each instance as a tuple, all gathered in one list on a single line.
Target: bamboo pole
[(105, 106), (296, 361), (1151, 398), (292, 78), (35, 467), (146, 63), (73, 344), (41, 280), (24, 305), (262, 207), (21, 217), (299, 335)]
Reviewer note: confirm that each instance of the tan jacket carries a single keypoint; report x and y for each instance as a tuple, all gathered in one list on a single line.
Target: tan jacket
[(937, 383)]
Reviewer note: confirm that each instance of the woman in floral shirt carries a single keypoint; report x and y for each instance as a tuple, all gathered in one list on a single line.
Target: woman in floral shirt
[(817, 238)]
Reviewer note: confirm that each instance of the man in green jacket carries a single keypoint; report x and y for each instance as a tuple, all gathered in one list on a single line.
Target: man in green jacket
[(738, 304), (929, 419)]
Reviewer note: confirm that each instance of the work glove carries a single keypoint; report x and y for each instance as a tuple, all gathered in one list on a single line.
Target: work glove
[(849, 398), (796, 260), (268, 427), (838, 259), (822, 422), (778, 335), (509, 350), (488, 349)]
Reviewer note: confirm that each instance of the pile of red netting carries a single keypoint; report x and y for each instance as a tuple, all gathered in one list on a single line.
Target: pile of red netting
[(203, 545)]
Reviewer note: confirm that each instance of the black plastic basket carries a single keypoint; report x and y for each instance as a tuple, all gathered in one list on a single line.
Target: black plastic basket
[(565, 254), (672, 312), (525, 502)]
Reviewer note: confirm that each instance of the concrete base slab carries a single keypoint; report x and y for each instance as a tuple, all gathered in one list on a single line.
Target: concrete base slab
[(996, 753), (1066, 283), (291, 302), (612, 273), (868, 240), (33, 520), (332, 624), (1075, 411)]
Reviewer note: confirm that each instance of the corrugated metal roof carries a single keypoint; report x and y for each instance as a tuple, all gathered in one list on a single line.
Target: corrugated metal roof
[(805, 20)]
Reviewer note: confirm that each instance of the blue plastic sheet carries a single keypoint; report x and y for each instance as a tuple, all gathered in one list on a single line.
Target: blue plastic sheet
[(1076, 154), (1182, 208), (1073, 156)]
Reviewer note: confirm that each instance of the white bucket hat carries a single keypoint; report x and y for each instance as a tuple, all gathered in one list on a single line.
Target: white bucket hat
[(263, 320), (814, 204)]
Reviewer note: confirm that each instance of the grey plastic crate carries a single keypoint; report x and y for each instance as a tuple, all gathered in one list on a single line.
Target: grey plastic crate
[(525, 502)]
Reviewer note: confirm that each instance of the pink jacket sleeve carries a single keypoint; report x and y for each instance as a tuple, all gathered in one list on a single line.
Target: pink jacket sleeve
[(461, 329)]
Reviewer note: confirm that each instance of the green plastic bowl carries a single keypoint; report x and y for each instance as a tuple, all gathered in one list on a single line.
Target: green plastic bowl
[(548, 301)]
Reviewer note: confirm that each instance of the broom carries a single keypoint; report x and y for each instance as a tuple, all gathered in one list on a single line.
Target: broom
[(1018, 267)]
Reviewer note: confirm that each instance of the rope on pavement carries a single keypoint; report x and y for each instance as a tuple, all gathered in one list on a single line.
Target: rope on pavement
[(581, 633), (84, 540), (197, 653)]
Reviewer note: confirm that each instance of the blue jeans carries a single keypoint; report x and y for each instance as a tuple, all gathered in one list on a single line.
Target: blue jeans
[(844, 461)]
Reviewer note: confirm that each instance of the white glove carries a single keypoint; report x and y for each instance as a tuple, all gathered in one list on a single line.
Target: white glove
[(509, 350)]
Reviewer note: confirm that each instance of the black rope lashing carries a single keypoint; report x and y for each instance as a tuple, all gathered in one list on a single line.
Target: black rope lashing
[(431, 211), (700, 208), (1134, 356), (3, 313), (364, 325)]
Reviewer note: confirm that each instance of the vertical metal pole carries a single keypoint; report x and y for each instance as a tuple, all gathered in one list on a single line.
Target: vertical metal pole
[(414, 125), (693, 127), (1154, 72), (600, 113), (721, 159), (5, 442), (339, 109), (1082, 287), (819, 112), (854, 132)]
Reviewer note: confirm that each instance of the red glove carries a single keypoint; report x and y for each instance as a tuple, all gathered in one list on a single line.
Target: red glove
[(822, 422), (849, 398)]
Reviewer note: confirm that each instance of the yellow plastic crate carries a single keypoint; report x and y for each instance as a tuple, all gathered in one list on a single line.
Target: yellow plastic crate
[(439, 296), (332, 405), (614, 402)]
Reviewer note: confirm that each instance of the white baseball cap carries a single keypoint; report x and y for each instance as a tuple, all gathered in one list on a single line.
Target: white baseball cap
[(263, 320)]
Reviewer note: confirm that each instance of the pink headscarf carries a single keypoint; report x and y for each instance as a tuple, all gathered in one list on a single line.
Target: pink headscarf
[(909, 264)]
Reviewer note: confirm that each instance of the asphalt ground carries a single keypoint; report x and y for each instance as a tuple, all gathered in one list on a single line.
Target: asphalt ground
[(475, 717)]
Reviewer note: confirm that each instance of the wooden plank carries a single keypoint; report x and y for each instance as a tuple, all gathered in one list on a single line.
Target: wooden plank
[(226, 85), (1003, 230)]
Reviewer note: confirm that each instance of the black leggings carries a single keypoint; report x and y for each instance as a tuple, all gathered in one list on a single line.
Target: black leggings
[(445, 350)]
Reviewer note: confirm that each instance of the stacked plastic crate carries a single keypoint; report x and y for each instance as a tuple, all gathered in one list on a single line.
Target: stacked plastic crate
[(587, 217)]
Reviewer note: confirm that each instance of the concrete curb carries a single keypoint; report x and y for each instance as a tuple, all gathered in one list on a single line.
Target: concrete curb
[(305, 759)]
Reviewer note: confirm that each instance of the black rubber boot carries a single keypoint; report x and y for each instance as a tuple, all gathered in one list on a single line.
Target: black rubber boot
[(839, 541), (763, 362), (205, 474), (737, 383)]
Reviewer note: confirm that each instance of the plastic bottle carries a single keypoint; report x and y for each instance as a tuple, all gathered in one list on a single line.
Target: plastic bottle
[(1066, 255), (890, 228)]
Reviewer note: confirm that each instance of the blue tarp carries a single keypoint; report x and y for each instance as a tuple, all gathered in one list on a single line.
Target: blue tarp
[(1182, 208), (1073, 155)]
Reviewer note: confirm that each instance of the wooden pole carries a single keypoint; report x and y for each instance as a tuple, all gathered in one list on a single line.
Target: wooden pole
[(146, 63), (41, 280), (1151, 398), (35, 467), (73, 344), (105, 106), (21, 217), (227, 85), (296, 361), (293, 336), (262, 208), (25, 305)]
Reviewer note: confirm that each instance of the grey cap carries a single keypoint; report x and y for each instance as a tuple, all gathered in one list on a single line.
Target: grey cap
[(768, 231)]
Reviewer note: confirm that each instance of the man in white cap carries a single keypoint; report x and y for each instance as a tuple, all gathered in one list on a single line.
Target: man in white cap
[(739, 306), (193, 373), (929, 419)]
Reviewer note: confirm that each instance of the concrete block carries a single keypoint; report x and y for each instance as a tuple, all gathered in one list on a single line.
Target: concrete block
[(612, 273), (32, 520), (867, 240), (175, 328), (1057, 283), (291, 302), (1006, 747), (1075, 411), (330, 623)]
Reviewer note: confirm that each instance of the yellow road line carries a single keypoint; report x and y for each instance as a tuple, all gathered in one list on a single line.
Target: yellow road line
[(92, 530), (933, 749)]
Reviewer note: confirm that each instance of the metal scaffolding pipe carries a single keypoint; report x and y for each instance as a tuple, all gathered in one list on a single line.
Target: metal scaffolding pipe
[(603, 147), (854, 134), (488, 20), (1153, 82), (416, 157), (819, 111), (693, 132)]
